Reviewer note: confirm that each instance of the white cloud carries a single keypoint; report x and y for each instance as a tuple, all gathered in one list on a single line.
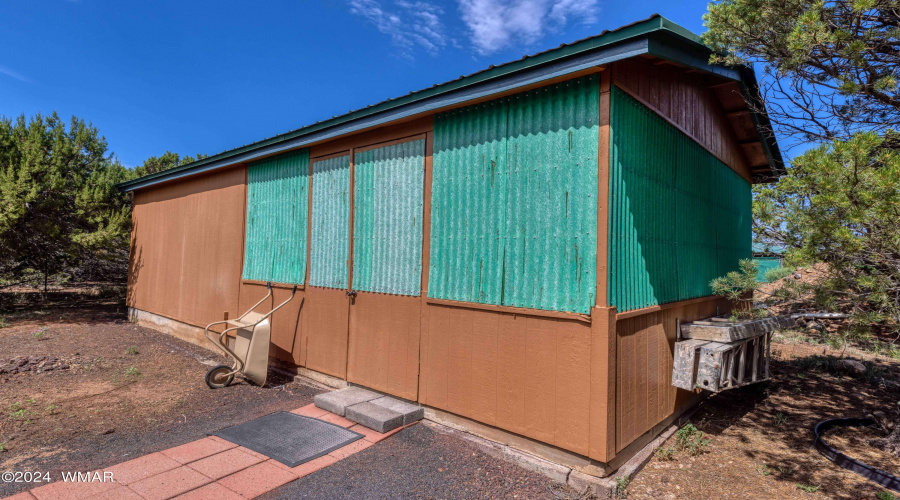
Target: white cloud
[(410, 24), (498, 24), (12, 74)]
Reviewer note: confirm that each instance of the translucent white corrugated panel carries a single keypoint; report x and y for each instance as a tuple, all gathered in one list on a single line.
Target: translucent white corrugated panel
[(387, 218), (330, 241)]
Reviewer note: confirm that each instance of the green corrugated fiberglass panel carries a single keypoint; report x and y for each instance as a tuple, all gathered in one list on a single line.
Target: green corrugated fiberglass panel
[(514, 200), (277, 205), (468, 204), (330, 241), (678, 217), (766, 264), (387, 218), (551, 201)]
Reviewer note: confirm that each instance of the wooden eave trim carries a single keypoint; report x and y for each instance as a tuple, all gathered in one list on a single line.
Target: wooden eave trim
[(663, 307)]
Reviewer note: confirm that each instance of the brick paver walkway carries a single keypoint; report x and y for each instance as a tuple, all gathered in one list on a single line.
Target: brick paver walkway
[(209, 468)]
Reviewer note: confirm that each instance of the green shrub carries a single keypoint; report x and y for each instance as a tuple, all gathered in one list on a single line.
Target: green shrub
[(622, 483), (665, 454), (808, 488), (690, 440)]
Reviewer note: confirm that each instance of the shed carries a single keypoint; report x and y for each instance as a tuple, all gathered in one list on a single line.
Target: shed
[(511, 249), (767, 257)]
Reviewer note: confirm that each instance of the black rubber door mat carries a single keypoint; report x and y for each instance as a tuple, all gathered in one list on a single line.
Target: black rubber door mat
[(289, 438)]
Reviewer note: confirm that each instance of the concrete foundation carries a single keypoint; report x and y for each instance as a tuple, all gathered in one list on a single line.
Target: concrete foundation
[(175, 328)]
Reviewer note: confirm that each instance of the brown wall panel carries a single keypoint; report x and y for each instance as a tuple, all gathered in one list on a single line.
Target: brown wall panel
[(685, 100), (645, 346), (287, 331), (326, 322), (384, 343), (526, 374), (187, 247)]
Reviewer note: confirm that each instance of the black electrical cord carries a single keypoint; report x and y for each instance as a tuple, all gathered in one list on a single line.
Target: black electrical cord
[(879, 476)]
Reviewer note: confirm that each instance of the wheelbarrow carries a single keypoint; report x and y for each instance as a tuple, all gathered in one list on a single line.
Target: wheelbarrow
[(250, 356)]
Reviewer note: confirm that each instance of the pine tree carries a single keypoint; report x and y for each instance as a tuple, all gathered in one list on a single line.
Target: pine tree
[(59, 208)]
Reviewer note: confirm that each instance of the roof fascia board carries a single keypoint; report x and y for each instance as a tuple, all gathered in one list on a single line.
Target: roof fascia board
[(585, 60), (750, 90), (673, 48)]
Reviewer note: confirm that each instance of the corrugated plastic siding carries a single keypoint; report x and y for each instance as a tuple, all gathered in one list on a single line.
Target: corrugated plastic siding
[(514, 200), (734, 198), (468, 204), (330, 250), (551, 213), (679, 217), (277, 205), (696, 218), (766, 264), (387, 218)]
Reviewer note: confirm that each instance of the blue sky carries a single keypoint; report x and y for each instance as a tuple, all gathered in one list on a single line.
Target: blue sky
[(207, 76)]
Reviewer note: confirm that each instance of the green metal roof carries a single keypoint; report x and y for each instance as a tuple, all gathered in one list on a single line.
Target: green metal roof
[(655, 35)]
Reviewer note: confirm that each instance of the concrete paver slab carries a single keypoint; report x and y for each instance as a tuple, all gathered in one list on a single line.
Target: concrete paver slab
[(375, 417), (410, 412), (337, 401)]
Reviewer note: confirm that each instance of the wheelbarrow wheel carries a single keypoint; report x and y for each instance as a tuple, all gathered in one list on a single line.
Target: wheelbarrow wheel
[(219, 376)]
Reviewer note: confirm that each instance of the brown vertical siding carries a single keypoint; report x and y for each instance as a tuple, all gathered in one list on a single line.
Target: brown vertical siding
[(645, 345), (526, 374), (603, 384), (287, 331), (384, 343), (687, 102), (326, 319), (187, 247)]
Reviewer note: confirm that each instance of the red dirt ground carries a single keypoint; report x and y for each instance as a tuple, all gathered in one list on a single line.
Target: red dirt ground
[(128, 391), (761, 436)]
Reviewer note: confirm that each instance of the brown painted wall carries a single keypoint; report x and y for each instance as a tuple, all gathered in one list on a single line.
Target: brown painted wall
[(645, 346), (687, 102), (384, 343), (187, 247), (325, 324), (526, 374), (288, 333)]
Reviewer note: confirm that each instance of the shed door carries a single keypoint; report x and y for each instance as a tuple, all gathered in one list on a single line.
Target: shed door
[(329, 273), (388, 199)]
